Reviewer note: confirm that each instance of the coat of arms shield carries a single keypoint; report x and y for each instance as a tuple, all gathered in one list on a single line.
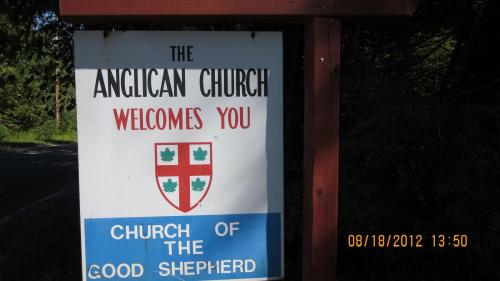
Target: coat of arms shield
[(183, 173)]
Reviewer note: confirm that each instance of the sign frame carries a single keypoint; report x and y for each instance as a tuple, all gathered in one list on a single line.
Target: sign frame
[(321, 91), (96, 10)]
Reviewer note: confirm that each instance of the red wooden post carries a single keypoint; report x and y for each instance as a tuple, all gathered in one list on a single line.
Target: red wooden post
[(321, 148), (99, 10)]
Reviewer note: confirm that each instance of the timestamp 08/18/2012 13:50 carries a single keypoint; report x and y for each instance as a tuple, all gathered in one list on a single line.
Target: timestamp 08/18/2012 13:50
[(407, 241)]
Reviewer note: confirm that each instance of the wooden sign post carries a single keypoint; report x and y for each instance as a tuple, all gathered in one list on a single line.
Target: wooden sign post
[(322, 77), (321, 148)]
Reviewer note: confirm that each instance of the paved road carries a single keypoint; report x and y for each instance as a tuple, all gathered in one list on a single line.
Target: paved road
[(32, 173)]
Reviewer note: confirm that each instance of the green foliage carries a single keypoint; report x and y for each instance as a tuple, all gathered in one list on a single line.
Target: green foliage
[(46, 131), (29, 136), (36, 51), (167, 155), (200, 154), (68, 122), (169, 186), (198, 184), (4, 132)]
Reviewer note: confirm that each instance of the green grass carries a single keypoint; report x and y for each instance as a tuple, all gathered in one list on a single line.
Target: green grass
[(34, 136), (64, 137)]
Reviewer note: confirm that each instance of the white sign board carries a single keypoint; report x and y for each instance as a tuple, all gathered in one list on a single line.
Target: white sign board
[(180, 143)]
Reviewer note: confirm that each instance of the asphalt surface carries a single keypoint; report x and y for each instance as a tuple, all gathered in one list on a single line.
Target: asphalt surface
[(30, 174)]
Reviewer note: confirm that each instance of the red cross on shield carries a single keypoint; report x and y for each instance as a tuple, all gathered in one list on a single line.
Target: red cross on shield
[(183, 173)]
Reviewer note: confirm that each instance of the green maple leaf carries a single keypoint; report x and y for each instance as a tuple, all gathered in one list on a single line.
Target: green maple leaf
[(169, 186), (167, 155), (198, 184), (200, 154)]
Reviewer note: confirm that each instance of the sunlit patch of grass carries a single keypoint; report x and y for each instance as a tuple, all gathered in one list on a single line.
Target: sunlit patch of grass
[(23, 137), (34, 136), (64, 137)]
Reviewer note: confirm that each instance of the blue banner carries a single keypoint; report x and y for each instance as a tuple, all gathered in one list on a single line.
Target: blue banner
[(184, 247)]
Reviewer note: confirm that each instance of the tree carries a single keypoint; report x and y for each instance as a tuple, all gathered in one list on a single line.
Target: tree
[(36, 65)]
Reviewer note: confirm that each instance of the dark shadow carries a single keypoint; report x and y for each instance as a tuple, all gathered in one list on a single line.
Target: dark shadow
[(62, 142), (17, 144)]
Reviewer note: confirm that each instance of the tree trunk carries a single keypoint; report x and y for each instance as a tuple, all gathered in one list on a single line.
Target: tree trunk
[(58, 97)]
